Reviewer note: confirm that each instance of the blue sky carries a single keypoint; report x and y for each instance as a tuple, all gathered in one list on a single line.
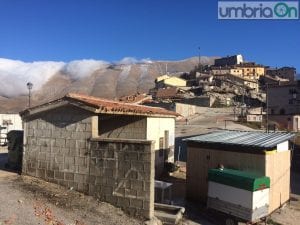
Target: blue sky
[(64, 30)]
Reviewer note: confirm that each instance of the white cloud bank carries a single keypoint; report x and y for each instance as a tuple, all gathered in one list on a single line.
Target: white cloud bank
[(15, 74)]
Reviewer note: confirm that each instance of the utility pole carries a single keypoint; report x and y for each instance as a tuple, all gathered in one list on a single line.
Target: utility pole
[(267, 103), (199, 58)]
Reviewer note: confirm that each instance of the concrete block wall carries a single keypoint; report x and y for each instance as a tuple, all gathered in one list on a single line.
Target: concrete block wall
[(122, 173), (59, 148), (56, 146)]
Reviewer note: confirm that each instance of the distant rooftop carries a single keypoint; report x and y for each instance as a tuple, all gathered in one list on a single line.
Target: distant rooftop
[(254, 139)]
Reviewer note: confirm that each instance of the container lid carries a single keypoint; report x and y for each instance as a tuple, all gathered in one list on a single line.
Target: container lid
[(239, 179)]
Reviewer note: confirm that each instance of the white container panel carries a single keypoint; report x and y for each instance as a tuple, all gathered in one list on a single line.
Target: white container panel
[(230, 194), (260, 198)]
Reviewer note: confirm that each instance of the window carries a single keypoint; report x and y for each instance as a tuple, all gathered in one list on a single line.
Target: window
[(292, 91), (6, 122), (161, 143), (282, 111)]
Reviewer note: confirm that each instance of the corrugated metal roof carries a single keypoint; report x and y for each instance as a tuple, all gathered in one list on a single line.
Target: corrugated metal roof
[(243, 138)]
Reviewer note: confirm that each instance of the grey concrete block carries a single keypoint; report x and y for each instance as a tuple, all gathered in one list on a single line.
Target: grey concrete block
[(80, 161), (130, 156), (83, 169), (60, 142), (80, 178), (123, 202), (69, 160), (70, 143), (80, 127), (80, 143), (49, 174), (136, 203), (69, 176), (58, 175), (137, 185), (71, 127)]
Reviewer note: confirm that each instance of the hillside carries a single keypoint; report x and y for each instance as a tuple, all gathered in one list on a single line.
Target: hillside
[(102, 79)]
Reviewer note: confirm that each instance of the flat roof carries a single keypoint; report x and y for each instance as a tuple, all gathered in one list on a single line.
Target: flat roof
[(251, 139)]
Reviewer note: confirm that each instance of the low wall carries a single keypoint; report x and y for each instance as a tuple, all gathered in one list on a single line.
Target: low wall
[(122, 173), (202, 101)]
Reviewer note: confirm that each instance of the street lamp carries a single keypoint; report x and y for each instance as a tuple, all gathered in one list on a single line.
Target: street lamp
[(29, 86)]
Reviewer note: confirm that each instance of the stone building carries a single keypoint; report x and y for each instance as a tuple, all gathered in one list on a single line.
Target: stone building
[(284, 72), (250, 70), (229, 60), (107, 149), (9, 122), (169, 81), (284, 105), (250, 84)]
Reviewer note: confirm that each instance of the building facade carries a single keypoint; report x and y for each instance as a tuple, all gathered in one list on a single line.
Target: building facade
[(250, 71), (229, 60), (9, 122), (284, 72), (166, 81), (284, 105)]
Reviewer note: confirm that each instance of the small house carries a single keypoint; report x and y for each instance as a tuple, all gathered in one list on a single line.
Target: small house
[(166, 81), (104, 148), (262, 154), (9, 122), (255, 115)]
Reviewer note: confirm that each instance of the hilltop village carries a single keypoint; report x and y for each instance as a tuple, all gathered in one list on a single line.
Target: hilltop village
[(230, 82)]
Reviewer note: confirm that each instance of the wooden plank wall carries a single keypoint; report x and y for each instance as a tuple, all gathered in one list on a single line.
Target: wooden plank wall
[(278, 169)]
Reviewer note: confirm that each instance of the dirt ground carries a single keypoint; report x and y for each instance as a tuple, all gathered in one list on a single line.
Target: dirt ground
[(28, 201)]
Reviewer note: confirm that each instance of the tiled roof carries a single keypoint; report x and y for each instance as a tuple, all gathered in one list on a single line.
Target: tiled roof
[(101, 105), (167, 92), (136, 98)]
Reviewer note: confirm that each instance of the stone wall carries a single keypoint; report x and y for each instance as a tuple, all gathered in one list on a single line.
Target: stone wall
[(58, 147)]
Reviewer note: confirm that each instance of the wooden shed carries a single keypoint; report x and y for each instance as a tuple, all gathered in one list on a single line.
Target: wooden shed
[(263, 154)]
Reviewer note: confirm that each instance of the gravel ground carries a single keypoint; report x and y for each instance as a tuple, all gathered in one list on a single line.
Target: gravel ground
[(28, 201)]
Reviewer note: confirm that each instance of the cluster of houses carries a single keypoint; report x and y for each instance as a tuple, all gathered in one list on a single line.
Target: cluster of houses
[(249, 87)]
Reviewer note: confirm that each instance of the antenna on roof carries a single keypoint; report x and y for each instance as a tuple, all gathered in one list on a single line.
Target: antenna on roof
[(166, 68)]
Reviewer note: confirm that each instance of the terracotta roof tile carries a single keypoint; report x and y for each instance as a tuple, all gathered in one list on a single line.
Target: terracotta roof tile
[(102, 105)]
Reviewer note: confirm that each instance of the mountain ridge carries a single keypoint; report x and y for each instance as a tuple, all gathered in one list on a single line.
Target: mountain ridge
[(111, 81)]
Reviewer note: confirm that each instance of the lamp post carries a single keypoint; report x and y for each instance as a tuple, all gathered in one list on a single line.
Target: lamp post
[(29, 86)]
